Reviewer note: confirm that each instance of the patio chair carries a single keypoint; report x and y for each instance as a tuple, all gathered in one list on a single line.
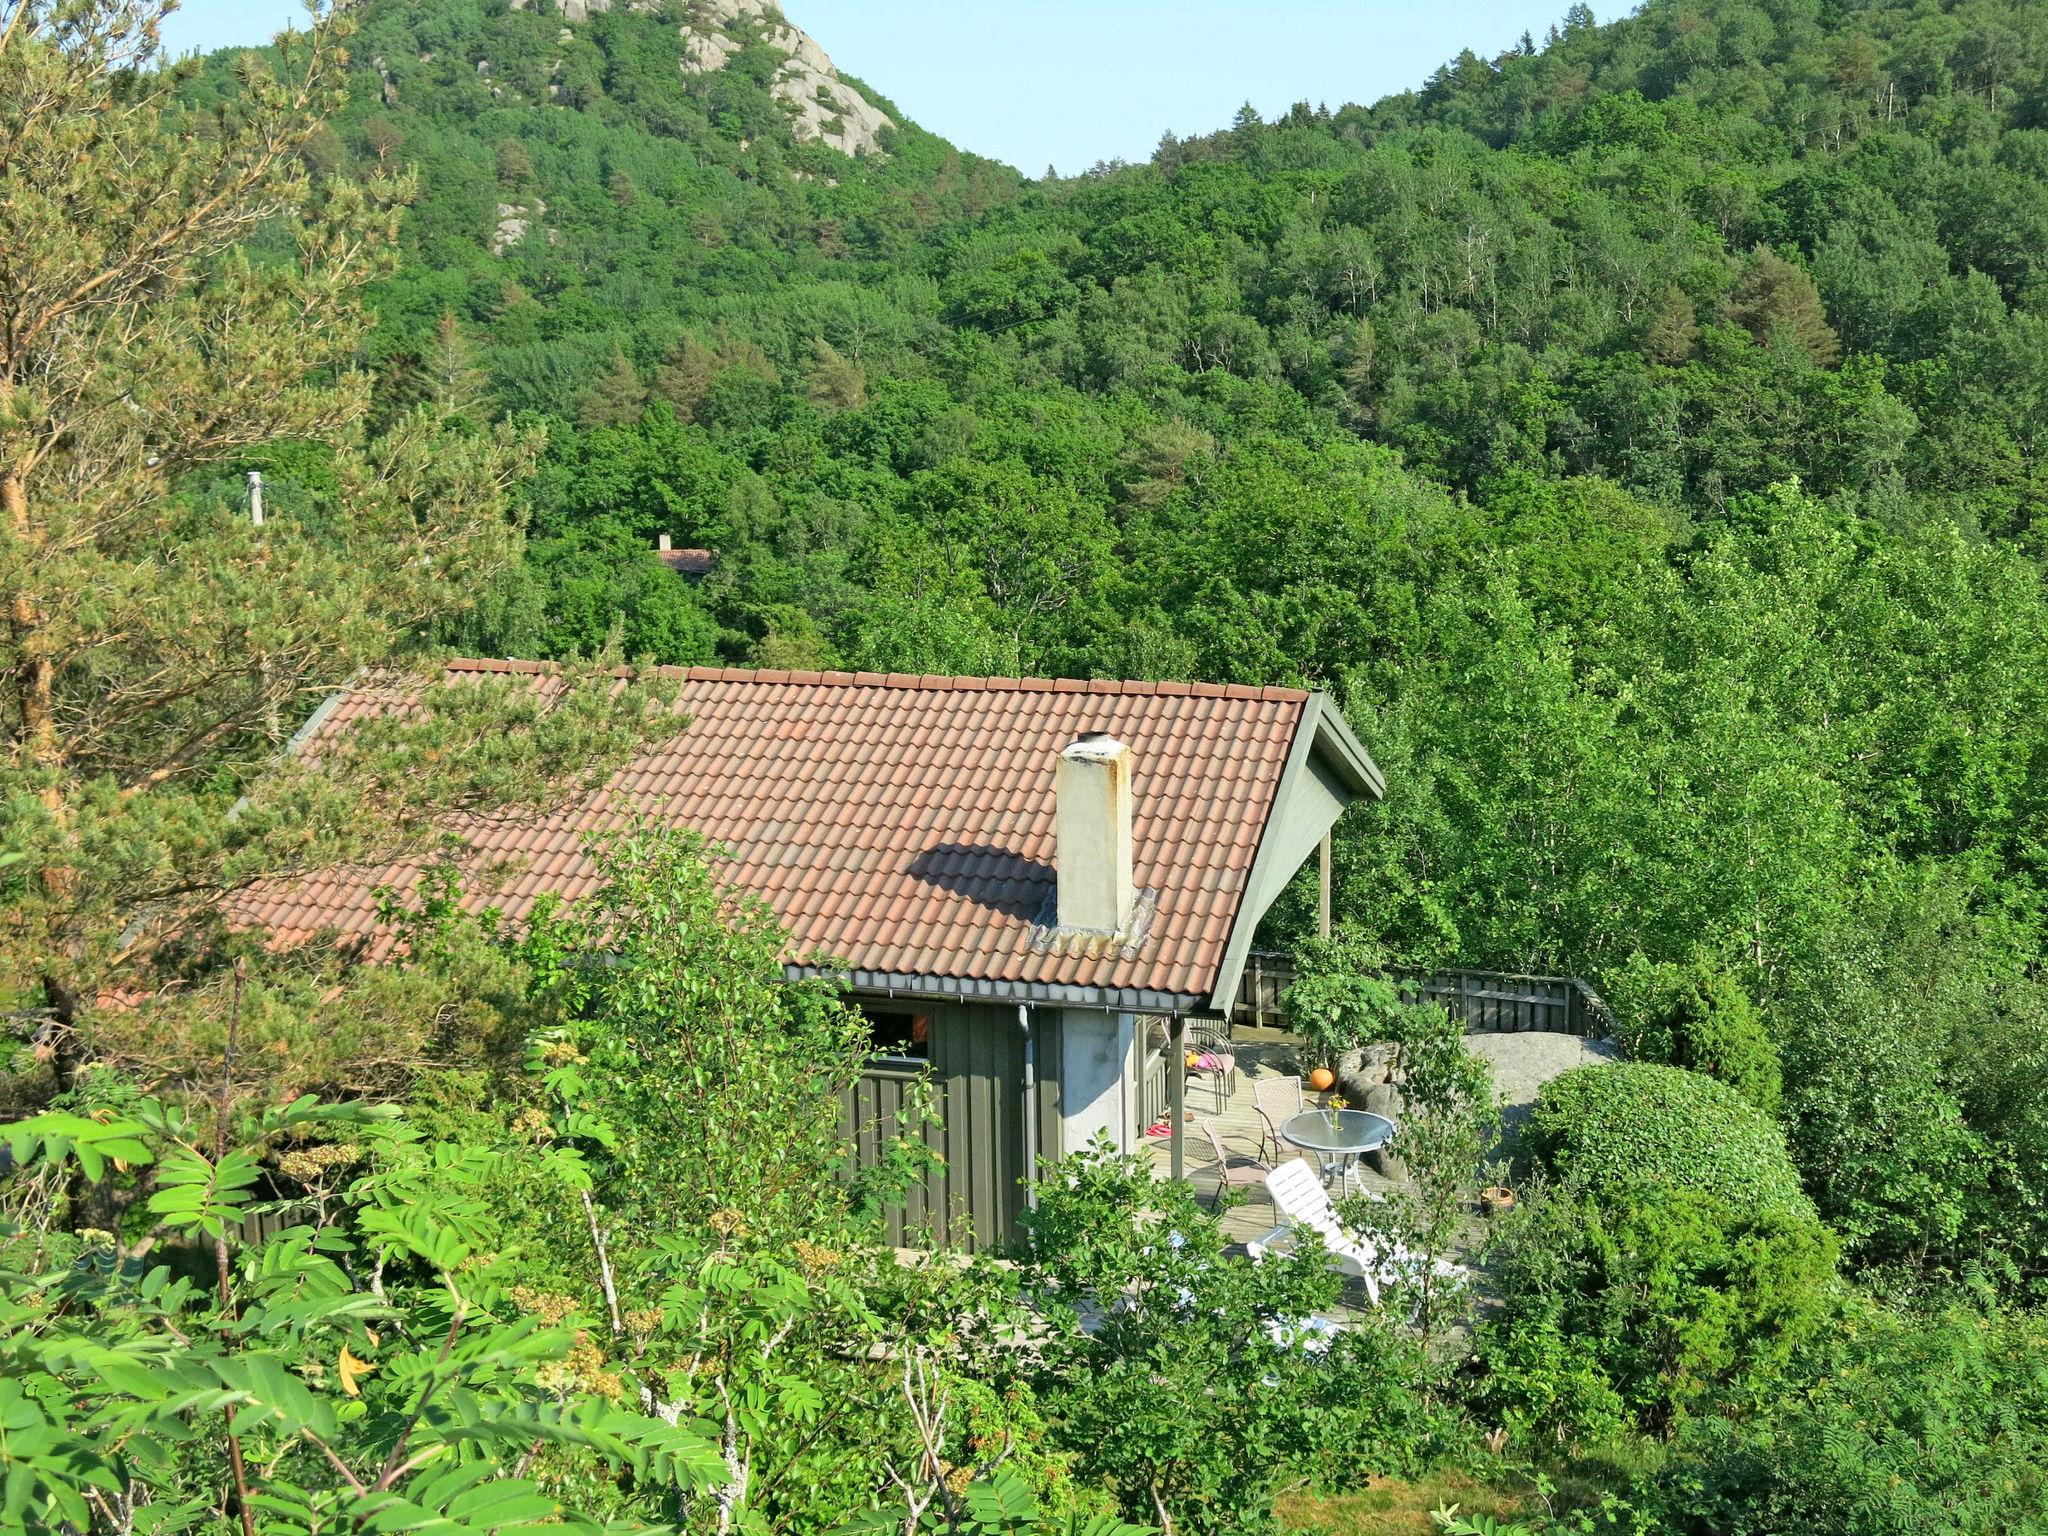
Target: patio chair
[(1209, 1055), (1276, 1098), (1233, 1170), (1302, 1202), (1299, 1200)]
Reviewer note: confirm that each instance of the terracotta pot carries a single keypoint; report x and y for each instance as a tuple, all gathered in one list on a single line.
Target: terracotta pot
[(1496, 1198), (1322, 1079)]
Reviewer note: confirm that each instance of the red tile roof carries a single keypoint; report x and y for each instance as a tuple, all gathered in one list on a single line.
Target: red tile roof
[(903, 824), (688, 562)]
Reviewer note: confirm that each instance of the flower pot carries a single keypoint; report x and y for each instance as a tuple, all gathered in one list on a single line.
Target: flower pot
[(1496, 1198), (1322, 1080)]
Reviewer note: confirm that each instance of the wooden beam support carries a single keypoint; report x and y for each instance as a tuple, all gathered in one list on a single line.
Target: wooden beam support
[(1323, 870), (1177, 1092)]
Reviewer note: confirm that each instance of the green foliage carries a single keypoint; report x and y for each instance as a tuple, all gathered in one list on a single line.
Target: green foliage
[(1698, 1017), (1341, 997), (669, 989), (1903, 1422), (1448, 1121), (1616, 1130), (1451, 1523), (414, 1399), (1669, 1254), (1201, 1379)]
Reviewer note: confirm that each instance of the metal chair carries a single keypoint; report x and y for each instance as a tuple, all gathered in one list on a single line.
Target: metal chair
[(1210, 1056), (1277, 1098), (1234, 1171)]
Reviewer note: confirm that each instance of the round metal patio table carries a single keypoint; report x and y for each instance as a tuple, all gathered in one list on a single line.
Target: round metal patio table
[(1336, 1137)]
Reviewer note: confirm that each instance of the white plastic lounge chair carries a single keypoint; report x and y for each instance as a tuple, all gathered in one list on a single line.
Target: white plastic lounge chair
[(1302, 1202)]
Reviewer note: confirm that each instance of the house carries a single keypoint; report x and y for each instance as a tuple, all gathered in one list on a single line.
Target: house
[(690, 564), (1030, 885)]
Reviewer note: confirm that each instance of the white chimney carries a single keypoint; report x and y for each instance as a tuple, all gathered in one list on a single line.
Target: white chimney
[(662, 544), (1092, 835)]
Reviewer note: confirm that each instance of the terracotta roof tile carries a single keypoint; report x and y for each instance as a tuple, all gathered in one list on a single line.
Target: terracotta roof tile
[(902, 823)]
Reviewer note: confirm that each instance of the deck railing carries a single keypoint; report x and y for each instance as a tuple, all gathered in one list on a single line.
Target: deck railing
[(1483, 1001)]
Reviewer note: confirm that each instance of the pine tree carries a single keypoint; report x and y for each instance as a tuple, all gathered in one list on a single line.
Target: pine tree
[(615, 397), (835, 381), (1163, 457), (458, 386), (1357, 373), (152, 632), (685, 375), (1673, 330), (1778, 304)]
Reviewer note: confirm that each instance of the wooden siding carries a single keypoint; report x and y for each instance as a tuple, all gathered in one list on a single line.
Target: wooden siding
[(973, 1197), (1483, 1001)]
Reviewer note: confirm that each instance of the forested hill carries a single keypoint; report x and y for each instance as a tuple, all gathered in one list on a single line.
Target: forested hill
[(594, 180), (1640, 432)]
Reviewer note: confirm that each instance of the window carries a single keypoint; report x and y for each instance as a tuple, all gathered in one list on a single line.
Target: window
[(899, 1033)]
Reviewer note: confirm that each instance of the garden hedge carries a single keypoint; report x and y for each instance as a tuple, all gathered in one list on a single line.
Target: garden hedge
[(1637, 1123)]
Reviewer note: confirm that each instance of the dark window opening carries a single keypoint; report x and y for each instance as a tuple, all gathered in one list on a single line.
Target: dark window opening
[(899, 1033)]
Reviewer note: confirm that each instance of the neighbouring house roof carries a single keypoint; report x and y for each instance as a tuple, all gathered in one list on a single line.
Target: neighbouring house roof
[(688, 562), (902, 825)]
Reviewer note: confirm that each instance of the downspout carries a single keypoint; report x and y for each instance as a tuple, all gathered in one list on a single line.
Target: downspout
[(1030, 1107)]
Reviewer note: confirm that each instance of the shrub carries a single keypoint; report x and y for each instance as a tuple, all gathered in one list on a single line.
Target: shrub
[(1667, 1251), (1697, 1016), (1342, 998), (1201, 1382), (1613, 1128), (1934, 1424)]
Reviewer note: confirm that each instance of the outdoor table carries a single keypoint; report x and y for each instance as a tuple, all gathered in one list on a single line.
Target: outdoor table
[(1336, 1137)]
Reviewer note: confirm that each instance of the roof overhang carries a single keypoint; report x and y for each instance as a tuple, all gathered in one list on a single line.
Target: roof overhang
[(999, 992), (1327, 768)]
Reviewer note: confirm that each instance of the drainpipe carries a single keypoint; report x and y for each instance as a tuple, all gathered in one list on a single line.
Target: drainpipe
[(1030, 1107)]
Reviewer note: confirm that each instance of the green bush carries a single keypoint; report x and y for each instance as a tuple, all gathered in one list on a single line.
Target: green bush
[(1696, 1016), (1202, 1383), (1935, 1425), (1342, 998), (1612, 1128), (1667, 1251)]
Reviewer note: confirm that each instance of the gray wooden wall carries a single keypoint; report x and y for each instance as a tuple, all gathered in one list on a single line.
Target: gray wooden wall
[(973, 1197)]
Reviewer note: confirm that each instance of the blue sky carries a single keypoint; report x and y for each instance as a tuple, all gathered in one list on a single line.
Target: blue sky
[(1070, 82)]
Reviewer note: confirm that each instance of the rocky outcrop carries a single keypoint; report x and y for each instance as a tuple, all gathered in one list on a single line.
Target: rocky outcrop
[(514, 219), (822, 107)]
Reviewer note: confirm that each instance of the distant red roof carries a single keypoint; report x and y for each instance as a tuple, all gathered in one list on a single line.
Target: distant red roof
[(688, 562), (904, 824)]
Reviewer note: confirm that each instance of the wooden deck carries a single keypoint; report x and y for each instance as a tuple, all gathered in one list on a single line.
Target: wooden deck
[(1260, 1053)]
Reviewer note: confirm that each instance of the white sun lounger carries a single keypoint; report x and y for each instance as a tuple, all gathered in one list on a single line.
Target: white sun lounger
[(1302, 1202)]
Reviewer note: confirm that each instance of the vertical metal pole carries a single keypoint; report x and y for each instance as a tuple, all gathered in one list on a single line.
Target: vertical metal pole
[(1323, 869), (1177, 1091), (256, 497)]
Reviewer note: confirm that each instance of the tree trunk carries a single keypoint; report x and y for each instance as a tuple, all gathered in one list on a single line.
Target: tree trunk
[(33, 679)]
